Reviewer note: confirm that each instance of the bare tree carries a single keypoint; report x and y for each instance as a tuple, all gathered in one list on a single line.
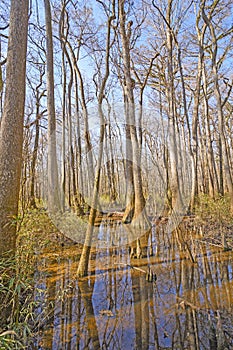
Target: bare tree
[(139, 215), (218, 97), (53, 184), (39, 95), (83, 263)]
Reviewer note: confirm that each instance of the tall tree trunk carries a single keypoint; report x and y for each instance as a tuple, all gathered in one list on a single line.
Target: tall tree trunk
[(139, 216), (213, 178), (110, 172), (64, 23), (217, 93), (11, 133), (33, 163), (83, 263), (54, 204), (113, 194), (63, 170), (88, 144), (130, 193), (36, 142), (78, 145), (172, 146)]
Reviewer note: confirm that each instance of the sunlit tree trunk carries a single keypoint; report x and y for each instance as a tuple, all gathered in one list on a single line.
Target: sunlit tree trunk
[(70, 142), (78, 144), (88, 144), (172, 145), (130, 192), (11, 132), (39, 114), (83, 263), (212, 176), (67, 109), (33, 163), (139, 216), (63, 169), (195, 114), (53, 184), (110, 159), (217, 93)]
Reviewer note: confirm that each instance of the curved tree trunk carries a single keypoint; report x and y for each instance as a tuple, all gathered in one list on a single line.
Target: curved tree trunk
[(83, 263)]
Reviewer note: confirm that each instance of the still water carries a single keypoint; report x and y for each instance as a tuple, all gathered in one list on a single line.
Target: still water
[(189, 306)]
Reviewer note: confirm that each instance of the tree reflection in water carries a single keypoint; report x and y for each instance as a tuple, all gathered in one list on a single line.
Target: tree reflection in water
[(189, 306)]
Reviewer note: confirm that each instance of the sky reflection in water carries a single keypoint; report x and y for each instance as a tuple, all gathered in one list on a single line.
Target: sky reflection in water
[(189, 306)]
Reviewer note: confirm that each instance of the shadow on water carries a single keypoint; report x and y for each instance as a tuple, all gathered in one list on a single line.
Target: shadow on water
[(116, 307)]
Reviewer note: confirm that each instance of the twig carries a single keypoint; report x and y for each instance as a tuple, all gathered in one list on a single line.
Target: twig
[(132, 267), (150, 275), (206, 242)]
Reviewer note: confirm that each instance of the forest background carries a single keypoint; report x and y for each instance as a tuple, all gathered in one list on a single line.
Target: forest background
[(111, 108), (116, 105)]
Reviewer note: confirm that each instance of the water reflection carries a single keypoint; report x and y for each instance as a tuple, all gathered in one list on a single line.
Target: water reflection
[(189, 306)]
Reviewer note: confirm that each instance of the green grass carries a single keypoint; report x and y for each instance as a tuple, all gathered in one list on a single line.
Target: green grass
[(18, 324)]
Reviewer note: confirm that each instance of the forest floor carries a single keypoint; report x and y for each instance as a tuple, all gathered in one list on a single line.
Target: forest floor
[(38, 236), (211, 223)]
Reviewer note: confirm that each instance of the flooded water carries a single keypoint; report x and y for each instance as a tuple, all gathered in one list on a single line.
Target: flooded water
[(189, 306)]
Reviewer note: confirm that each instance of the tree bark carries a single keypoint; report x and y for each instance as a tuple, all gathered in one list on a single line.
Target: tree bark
[(172, 146), (139, 216), (36, 142), (11, 133), (217, 93), (54, 204)]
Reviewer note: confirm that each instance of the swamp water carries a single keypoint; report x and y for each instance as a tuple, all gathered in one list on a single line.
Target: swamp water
[(189, 306)]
